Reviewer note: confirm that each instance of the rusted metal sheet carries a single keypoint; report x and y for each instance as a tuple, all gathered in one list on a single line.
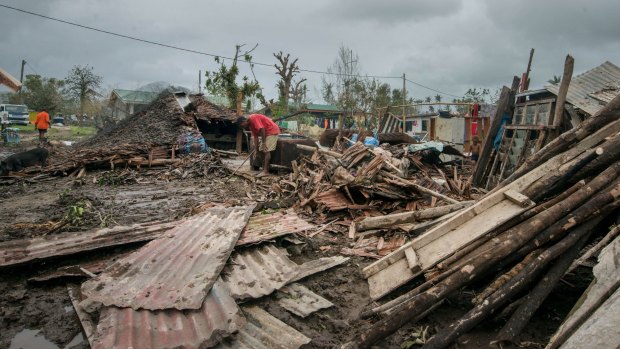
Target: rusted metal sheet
[(258, 272), (263, 331), (333, 199), (22, 251), (300, 301), (269, 226), (176, 270), (593, 89), (218, 318)]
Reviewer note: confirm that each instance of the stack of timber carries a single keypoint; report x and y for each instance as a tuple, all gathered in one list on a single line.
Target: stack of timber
[(529, 231), (361, 179)]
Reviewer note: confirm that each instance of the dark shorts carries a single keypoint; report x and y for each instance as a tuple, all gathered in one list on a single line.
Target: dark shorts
[(42, 132), (474, 157)]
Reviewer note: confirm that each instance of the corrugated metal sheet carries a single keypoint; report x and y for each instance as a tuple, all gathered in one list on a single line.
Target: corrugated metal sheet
[(258, 272), (268, 226), (263, 331), (333, 199), (594, 80), (123, 328), (21, 251), (176, 270), (300, 301)]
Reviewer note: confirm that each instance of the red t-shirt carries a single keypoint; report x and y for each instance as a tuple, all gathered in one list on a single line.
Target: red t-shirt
[(258, 121)]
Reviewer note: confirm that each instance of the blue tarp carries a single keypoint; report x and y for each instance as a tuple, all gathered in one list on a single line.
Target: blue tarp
[(498, 136)]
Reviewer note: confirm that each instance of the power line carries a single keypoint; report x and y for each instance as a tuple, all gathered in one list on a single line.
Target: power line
[(432, 89), (206, 53)]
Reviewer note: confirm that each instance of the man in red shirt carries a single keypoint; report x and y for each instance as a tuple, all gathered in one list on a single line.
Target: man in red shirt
[(42, 123), (264, 134)]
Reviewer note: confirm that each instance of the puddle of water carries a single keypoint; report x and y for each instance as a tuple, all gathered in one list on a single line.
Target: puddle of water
[(75, 341), (31, 339)]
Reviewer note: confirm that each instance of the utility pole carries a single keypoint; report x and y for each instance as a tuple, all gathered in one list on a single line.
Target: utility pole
[(404, 102), (21, 75), (199, 81)]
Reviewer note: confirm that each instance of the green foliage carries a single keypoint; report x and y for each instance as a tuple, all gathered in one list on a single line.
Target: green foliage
[(555, 80), (223, 81), (39, 93), (473, 95), (76, 212)]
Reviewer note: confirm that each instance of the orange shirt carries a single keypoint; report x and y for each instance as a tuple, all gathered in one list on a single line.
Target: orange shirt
[(43, 121)]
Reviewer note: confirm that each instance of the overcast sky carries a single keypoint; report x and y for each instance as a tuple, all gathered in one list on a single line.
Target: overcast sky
[(449, 45)]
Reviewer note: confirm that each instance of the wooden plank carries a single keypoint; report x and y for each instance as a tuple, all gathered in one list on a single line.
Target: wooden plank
[(432, 234), (381, 283), (517, 198), (441, 247), (412, 259)]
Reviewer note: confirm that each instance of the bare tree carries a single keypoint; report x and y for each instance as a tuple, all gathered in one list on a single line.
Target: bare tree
[(82, 84), (287, 71)]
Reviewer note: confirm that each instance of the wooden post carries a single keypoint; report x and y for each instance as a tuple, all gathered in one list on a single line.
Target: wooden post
[(432, 125), (487, 147), (467, 145), (239, 141), (404, 102), (556, 118)]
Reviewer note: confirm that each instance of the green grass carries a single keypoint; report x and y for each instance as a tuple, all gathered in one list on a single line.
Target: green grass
[(72, 133)]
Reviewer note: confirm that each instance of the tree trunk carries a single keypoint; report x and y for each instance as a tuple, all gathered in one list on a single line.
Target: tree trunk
[(507, 243), (535, 298), (391, 220), (573, 242)]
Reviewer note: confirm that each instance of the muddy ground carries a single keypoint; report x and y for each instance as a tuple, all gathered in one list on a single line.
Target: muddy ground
[(40, 315)]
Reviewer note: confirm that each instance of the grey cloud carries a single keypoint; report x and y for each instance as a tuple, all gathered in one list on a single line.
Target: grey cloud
[(395, 11)]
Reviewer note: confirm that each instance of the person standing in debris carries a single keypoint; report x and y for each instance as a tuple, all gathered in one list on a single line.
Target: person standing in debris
[(264, 134), (475, 149), (42, 123)]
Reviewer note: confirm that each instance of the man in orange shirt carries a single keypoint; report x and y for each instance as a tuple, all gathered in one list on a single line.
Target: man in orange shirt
[(265, 134), (42, 123)]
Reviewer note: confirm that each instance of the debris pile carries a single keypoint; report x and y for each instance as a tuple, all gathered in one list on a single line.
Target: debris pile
[(136, 302), (525, 234)]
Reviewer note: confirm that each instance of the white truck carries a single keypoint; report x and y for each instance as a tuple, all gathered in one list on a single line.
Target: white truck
[(15, 114)]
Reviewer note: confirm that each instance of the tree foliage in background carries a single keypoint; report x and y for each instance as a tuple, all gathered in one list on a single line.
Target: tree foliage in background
[(338, 85), (41, 93), (223, 82), (81, 85), (555, 80), (473, 95)]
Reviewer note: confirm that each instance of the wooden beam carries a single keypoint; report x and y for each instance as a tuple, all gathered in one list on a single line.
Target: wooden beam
[(556, 118)]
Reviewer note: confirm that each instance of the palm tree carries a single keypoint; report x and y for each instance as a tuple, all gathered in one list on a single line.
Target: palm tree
[(555, 80)]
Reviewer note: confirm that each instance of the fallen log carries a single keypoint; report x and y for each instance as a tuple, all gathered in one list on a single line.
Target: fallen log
[(536, 297), (570, 245), (510, 241), (408, 217)]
